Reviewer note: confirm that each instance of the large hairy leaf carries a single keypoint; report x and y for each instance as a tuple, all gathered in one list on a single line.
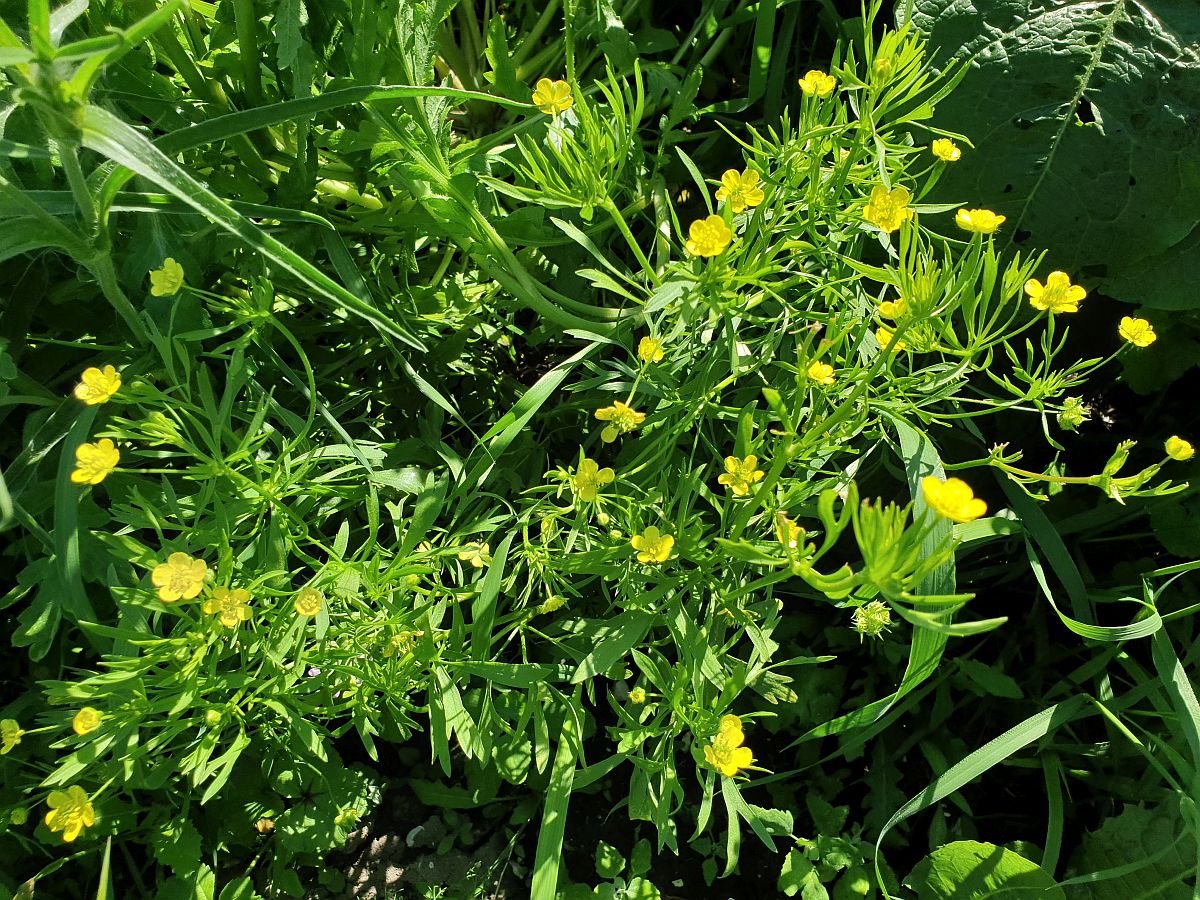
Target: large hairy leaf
[(971, 870), (1144, 853), (1085, 115)]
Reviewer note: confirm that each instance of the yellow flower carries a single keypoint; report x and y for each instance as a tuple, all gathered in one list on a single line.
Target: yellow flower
[(168, 280), (978, 221), (308, 601), (887, 339), (741, 474), (93, 462), (230, 606), (952, 499), (638, 696), (740, 190), (708, 237), (478, 555), (1057, 296), (86, 720), (816, 83), (552, 97), (888, 209), (622, 419), (1179, 449), (1138, 332), (10, 735), (726, 753), (650, 350), (946, 150), (652, 545), (70, 812), (180, 578), (893, 309), (589, 479), (821, 373), (97, 385), (788, 532)]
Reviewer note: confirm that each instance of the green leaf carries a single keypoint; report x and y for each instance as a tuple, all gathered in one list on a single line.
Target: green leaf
[(1143, 851), (609, 861), (971, 870), (176, 844), (1084, 120), (548, 856)]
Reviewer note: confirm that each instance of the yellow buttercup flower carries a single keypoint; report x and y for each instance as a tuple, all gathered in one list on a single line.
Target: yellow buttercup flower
[(179, 578), (168, 280), (740, 190), (952, 499), (638, 696), (589, 479), (86, 720), (1138, 332), (308, 601), (821, 373), (93, 462), (1179, 449), (887, 339), (1058, 295), (231, 606), (478, 555), (652, 545), (893, 309), (97, 386), (70, 812), (708, 237), (978, 221), (552, 97), (726, 753), (946, 150), (10, 735), (886, 209), (816, 83), (741, 474), (622, 419), (650, 350)]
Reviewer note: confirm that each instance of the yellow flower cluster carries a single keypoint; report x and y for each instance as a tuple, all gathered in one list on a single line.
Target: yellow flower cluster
[(589, 478), (86, 720), (552, 97), (180, 578), (10, 735), (726, 753), (168, 280), (978, 221), (820, 373), (952, 499), (888, 210), (946, 150), (740, 190), (94, 462), (97, 386), (1057, 295), (649, 350), (887, 340), (231, 606), (1138, 332), (816, 83), (478, 555), (652, 546), (70, 812), (1178, 449), (708, 237), (622, 419), (308, 602), (741, 474)]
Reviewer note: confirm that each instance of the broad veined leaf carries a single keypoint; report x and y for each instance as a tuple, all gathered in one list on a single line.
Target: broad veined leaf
[(973, 870), (1083, 113)]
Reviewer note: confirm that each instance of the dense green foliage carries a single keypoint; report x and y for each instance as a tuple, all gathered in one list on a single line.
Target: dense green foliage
[(570, 450)]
